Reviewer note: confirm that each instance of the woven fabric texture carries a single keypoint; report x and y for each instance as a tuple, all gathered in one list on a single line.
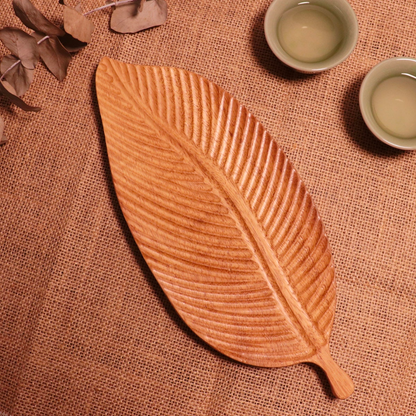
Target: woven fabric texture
[(85, 328)]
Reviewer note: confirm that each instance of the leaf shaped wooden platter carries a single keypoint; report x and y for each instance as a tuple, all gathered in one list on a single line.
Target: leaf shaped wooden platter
[(221, 217)]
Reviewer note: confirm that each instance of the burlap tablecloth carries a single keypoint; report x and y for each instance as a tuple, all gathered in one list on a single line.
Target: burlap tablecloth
[(85, 328)]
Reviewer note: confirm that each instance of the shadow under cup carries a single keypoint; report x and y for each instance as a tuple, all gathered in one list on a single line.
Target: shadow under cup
[(342, 11)]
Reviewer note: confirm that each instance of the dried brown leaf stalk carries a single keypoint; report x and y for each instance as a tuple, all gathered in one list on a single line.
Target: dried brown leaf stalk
[(53, 44)]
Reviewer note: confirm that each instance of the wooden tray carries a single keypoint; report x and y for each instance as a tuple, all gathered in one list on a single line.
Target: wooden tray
[(221, 217)]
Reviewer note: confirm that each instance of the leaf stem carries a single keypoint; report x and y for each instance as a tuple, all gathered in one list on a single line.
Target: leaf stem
[(9, 69), (18, 61), (106, 6)]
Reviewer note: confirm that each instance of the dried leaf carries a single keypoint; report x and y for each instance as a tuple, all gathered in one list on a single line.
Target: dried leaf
[(18, 77), (221, 217), (71, 44), (22, 45), (136, 5), (16, 100), (9, 87), (77, 25), (3, 138), (128, 19), (34, 19), (54, 55)]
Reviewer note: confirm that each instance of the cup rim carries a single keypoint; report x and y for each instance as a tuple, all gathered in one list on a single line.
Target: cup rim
[(374, 76), (310, 67)]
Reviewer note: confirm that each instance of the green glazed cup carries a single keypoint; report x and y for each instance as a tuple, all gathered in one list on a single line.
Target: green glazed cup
[(385, 69), (340, 8)]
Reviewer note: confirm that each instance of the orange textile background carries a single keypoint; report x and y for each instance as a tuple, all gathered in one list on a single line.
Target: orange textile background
[(84, 327)]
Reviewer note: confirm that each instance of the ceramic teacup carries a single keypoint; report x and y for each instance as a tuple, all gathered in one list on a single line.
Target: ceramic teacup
[(375, 91), (285, 28)]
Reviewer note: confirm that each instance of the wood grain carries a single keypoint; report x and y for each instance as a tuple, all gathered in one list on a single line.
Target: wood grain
[(221, 217)]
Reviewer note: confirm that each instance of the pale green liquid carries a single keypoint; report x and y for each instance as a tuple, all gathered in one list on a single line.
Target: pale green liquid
[(309, 33), (394, 106)]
